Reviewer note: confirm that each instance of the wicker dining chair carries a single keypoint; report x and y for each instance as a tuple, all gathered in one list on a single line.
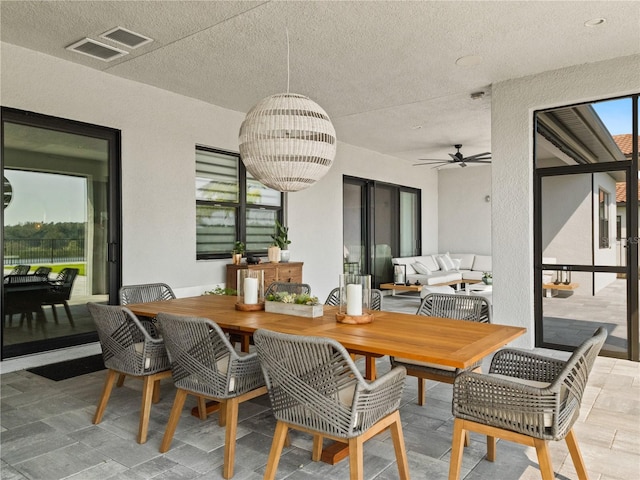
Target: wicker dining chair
[(376, 298), (60, 293), (316, 388), (143, 293), (20, 270), (42, 272), (459, 307), (525, 398), (289, 287), (204, 364), (130, 347)]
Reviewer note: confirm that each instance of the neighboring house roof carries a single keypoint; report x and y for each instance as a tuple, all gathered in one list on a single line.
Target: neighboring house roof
[(625, 144)]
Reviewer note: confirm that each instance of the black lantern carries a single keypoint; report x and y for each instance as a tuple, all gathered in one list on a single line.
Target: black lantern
[(400, 274)]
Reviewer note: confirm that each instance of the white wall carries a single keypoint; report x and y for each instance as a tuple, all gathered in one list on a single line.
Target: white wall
[(159, 132), (464, 216), (512, 107)]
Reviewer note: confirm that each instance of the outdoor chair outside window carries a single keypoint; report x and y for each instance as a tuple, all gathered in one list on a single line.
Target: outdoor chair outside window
[(42, 272), (315, 387), (525, 398), (460, 307), (297, 288), (204, 364), (376, 298), (130, 347), (20, 270), (60, 292)]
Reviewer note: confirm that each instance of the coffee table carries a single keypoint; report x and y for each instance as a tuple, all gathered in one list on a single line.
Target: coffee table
[(478, 287), (400, 288)]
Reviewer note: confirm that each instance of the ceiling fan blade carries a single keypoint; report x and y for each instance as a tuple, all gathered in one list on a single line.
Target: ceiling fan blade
[(478, 155), (430, 162), (478, 160)]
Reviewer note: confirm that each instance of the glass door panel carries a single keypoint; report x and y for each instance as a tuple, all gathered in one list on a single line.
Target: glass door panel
[(354, 227), (57, 225)]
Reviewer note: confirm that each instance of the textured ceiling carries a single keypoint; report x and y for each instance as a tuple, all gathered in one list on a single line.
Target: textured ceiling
[(379, 69)]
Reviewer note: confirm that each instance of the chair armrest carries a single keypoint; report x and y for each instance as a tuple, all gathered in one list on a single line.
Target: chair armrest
[(373, 400), (503, 403), (526, 365)]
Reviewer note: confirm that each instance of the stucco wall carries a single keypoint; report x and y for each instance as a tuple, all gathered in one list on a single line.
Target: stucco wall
[(464, 215), (159, 132), (512, 107)]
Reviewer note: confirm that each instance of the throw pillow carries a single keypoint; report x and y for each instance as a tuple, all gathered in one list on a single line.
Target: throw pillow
[(421, 268), (456, 263), (445, 262)]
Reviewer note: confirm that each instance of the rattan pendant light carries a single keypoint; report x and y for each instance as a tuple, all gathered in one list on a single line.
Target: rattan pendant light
[(287, 141)]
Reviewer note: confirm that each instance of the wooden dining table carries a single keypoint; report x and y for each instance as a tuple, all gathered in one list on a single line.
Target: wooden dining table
[(444, 341)]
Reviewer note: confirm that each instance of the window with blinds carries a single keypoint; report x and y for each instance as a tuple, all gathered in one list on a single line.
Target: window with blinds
[(231, 206)]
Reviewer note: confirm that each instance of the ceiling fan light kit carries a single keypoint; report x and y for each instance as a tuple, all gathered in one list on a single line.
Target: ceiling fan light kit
[(456, 158)]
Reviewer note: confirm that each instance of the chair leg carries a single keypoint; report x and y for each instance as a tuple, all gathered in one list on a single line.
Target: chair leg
[(231, 407), (120, 380), (55, 314), (222, 414), (491, 448), (316, 453), (421, 392), (356, 460), (202, 408), (544, 459), (576, 456), (104, 397), (145, 408), (174, 418), (68, 310), (156, 391), (456, 449), (276, 450), (398, 446)]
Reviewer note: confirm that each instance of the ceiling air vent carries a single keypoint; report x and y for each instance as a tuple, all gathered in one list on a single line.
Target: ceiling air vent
[(98, 50), (126, 37)]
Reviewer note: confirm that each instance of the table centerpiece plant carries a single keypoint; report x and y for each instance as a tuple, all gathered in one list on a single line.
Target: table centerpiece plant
[(487, 278), (301, 305)]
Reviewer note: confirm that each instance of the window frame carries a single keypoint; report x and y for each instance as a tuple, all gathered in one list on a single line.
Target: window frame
[(240, 207)]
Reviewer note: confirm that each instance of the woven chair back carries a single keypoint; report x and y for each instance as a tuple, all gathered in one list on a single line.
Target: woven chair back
[(306, 378), (297, 288), (148, 292), (376, 298), (203, 361), (459, 307), (128, 346), (20, 270)]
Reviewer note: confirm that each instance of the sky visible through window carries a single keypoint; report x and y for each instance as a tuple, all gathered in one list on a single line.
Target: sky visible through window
[(615, 114), (46, 198)]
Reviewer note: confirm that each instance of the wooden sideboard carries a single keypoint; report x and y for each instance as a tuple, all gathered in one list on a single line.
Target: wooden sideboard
[(273, 272)]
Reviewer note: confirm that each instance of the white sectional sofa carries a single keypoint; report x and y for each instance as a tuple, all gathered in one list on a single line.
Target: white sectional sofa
[(445, 268)]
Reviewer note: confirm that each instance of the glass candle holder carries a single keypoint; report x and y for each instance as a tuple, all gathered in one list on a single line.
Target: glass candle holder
[(250, 286), (355, 294)]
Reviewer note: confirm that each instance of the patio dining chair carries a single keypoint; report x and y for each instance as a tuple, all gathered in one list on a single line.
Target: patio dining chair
[(525, 398), (315, 387), (203, 363), (20, 270), (60, 292), (376, 298), (459, 307), (131, 347), (289, 287), (146, 292)]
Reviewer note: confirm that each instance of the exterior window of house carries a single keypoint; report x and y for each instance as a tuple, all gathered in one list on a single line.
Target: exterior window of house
[(603, 217), (231, 206)]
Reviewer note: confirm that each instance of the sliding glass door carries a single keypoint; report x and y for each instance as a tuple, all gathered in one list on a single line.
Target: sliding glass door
[(60, 229), (380, 221)]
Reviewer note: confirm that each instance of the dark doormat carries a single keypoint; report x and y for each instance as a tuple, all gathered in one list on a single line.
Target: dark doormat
[(70, 368)]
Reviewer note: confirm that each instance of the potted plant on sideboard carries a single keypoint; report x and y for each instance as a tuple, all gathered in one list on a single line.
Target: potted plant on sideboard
[(281, 240), (238, 251)]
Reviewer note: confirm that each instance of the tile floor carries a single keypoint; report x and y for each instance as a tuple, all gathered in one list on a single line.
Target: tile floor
[(46, 433)]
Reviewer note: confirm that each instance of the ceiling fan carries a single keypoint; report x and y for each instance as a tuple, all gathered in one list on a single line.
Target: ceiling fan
[(457, 158)]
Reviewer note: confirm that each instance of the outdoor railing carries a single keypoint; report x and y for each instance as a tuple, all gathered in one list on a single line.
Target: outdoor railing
[(48, 250)]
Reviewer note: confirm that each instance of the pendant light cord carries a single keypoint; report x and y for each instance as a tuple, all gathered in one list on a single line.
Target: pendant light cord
[(287, 29)]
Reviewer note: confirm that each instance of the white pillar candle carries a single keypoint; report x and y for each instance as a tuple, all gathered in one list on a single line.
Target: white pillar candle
[(354, 299), (250, 291)]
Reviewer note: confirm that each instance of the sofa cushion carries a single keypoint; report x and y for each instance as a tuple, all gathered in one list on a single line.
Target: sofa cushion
[(482, 263), (445, 262), (472, 275), (466, 260), (420, 267), (428, 261)]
